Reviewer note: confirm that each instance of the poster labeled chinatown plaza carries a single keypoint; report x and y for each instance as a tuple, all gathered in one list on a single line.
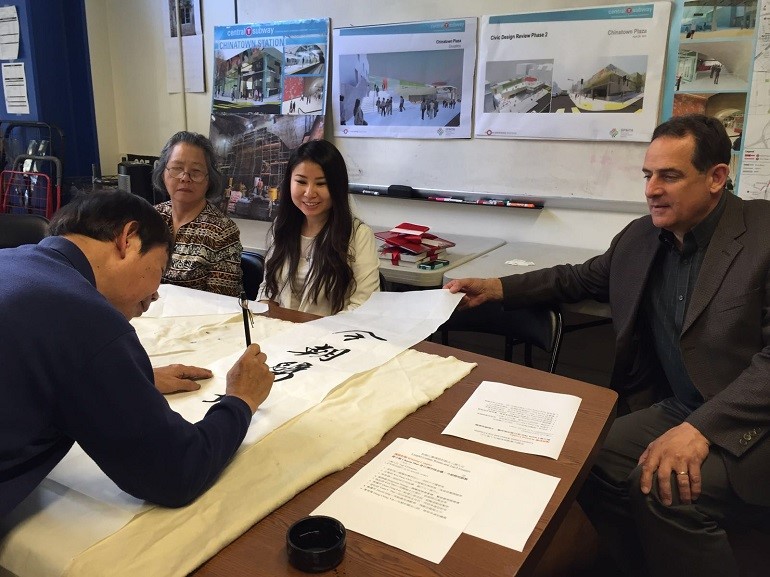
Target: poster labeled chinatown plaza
[(408, 80), (582, 74), (269, 95)]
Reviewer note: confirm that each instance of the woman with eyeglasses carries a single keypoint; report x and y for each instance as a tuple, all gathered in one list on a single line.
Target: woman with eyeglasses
[(207, 244)]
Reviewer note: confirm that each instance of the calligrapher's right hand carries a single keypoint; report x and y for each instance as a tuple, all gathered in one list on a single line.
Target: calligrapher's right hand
[(250, 378)]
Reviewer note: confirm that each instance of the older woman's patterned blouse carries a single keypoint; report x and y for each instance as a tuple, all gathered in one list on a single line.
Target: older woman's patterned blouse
[(207, 252)]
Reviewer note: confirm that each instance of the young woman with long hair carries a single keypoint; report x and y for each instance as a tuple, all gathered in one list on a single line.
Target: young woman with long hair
[(322, 259)]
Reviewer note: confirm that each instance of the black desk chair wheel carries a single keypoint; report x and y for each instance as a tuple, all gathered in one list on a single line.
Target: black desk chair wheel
[(253, 267), (541, 326), (18, 229)]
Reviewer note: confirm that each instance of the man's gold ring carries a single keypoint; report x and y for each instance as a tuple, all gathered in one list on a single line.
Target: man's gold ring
[(682, 473)]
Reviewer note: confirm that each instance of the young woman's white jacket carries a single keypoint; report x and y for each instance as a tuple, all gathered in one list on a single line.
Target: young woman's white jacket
[(366, 272)]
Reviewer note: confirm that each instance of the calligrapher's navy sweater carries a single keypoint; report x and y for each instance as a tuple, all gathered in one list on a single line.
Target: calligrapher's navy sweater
[(72, 369)]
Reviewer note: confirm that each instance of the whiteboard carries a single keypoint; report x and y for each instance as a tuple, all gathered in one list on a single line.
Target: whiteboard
[(542, 168)]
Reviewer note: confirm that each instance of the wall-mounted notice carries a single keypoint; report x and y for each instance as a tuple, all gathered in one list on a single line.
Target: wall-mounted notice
[(15, 88), (409, 80), (9, 33), (602, 83)]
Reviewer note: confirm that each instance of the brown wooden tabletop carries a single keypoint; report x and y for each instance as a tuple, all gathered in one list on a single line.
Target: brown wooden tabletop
[(261, 551)]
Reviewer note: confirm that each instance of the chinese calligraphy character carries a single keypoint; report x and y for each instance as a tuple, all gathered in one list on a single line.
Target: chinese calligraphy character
[(284, 371), (323, 352), (355, 334)]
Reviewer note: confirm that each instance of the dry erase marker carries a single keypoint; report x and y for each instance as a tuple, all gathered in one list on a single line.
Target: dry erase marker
[(520, 204), (445, 199), (491, 202)]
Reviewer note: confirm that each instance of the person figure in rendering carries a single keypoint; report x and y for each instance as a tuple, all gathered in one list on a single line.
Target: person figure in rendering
[(689, 287), (358, 113)]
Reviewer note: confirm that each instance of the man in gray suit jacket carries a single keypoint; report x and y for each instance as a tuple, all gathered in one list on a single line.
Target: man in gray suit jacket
[(689, 288)]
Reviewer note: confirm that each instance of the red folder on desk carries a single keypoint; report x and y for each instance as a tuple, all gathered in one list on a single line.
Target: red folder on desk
[(427, 243), (398, 257), (410, 229)]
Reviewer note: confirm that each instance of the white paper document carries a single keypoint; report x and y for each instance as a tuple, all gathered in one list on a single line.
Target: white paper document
[(525, 420), (176, 301), (311, 359), (420, 497), (15, 88), (9, 33)]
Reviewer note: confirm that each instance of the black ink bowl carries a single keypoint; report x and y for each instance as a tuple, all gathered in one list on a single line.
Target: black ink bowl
[(316, 544)]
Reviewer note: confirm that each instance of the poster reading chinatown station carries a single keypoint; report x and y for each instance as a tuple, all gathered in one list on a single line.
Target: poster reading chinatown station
[(408, 80), (582, 74), (268, 97), (271, 68)]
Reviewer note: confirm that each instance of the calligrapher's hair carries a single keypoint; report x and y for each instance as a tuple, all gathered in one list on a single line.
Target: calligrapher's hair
[(330, 269), (215, 178), (712, 145), (102, 216)]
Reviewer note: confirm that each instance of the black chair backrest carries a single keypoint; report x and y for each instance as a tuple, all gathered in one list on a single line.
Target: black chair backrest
[(253, 267), (18, 229), (540, 326)]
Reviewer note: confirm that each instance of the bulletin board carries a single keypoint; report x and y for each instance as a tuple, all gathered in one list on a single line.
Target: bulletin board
[(599, 171)]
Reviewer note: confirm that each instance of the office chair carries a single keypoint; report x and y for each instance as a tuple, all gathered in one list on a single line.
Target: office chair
[(541, 326), (253, 267), (18, 229)]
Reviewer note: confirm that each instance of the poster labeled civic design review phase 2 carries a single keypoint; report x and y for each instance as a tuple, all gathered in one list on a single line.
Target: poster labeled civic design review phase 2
[(584, 74), (408, 80)]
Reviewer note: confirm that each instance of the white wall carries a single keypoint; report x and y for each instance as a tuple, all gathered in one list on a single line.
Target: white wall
[(135, 114), (134, 111)]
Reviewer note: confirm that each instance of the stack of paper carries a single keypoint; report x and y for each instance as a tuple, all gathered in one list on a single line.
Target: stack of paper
[(414, 488), (410, 244)]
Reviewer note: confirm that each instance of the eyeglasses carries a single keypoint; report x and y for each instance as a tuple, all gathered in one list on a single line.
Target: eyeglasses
[(178, 172)]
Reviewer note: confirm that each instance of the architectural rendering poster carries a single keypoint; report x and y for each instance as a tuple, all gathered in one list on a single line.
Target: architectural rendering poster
[(269, 95), (754, 181), (271, 68), (601, 84), (710, 58), (408, 80)]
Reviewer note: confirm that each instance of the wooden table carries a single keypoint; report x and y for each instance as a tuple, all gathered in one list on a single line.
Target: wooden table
[(261, 551)]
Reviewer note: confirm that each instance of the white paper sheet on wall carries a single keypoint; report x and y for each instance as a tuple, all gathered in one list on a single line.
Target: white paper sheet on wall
[(15, 88), (9, 33)]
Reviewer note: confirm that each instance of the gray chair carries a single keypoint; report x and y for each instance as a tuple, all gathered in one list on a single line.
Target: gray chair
[(253, 267), (541, 326), (18, 229)]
